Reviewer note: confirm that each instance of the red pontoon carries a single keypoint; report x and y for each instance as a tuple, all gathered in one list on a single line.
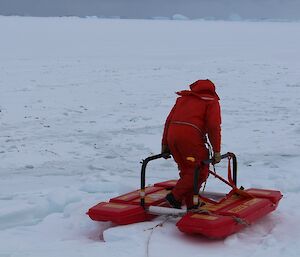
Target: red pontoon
[(217, 217)]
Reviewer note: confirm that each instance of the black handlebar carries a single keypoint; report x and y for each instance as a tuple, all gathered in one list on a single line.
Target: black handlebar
[(234, 162), (197, 172), (143, 173)]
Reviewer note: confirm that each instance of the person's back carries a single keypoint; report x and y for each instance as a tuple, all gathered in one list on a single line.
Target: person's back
[(190, 108), (198, 107)]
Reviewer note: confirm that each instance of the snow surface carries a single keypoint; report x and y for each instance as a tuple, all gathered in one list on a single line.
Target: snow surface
[(82, 101)]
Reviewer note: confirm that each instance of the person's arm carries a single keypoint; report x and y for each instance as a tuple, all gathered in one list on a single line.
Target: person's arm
[(167, 123), (214, 125)]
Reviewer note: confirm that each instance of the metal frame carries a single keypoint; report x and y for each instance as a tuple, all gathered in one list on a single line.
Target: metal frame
[(196, 173)]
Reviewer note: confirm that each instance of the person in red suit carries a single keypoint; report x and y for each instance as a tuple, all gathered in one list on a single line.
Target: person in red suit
[(195, 116)]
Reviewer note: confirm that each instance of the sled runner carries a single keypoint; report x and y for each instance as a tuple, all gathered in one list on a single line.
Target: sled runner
[(215, 215)]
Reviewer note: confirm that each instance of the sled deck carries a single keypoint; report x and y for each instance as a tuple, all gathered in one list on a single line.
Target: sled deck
[(218, 216)]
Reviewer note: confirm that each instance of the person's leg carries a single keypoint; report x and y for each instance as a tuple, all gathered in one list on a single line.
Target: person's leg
[(188, 197), (176, 202), (187, 149), (184, 189)]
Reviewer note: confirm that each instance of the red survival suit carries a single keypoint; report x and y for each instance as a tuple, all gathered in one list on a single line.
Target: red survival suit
[(195, 114)]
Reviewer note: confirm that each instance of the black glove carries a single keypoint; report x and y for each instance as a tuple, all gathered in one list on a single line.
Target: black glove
[(165, 151), (217, 157)]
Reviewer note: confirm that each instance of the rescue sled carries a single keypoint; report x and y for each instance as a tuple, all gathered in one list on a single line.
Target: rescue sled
[(215, 215)]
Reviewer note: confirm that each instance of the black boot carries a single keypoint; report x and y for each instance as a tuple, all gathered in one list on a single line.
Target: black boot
[(172, 201)]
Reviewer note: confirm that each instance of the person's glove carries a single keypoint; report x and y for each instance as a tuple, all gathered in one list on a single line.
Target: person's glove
[(217, 157), (166, 151)]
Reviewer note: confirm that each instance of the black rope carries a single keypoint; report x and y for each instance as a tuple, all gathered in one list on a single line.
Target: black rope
[(152, 230)]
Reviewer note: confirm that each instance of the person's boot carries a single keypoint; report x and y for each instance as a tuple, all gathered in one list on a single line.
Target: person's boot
[(172, 201)]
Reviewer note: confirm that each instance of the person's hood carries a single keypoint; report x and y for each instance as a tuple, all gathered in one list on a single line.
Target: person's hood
[(203, 88)]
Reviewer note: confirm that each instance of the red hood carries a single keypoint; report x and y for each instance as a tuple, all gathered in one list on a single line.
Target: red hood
[(201, 88)]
